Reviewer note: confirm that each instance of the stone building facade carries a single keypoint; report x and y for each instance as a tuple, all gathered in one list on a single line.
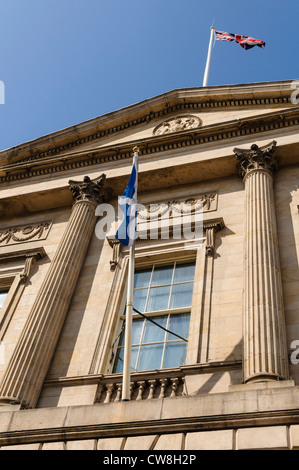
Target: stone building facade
[(231, 381)]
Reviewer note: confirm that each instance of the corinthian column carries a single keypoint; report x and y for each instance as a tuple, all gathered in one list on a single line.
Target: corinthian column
[(265, 351), (29, 363)]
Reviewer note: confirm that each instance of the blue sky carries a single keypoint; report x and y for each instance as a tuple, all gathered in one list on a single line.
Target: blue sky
[(66, 61)]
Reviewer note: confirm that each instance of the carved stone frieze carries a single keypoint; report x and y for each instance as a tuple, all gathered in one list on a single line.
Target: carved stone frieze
[(208, 104), (206, 202), (25, 233), (179, 123), (200, 136), (256, 158)]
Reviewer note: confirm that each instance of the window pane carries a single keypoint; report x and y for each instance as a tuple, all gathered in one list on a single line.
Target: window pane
[(118, 364), (134, 353), (181, 295), (142, 278), (161, 288), (2, 298), (179, 324), (175, 354), (119, 360), (162, 275), (139, 299), (152, 332), (158, 299), (150, 357), (184, 272), (137, 326)]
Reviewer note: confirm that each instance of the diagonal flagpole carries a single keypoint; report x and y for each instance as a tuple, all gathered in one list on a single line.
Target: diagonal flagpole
[(129, 311), (208, 63)]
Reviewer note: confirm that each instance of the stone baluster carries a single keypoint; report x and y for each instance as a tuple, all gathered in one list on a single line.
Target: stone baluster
[(163, 384), (264, 336), (109, 391), (28, 366), (118, 392), (174, 386), (141, 386), (132, 386), (152, 386), (100, 390)]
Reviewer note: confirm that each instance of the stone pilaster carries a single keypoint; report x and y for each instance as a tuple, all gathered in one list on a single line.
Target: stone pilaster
[(265, 351), (29, 363)]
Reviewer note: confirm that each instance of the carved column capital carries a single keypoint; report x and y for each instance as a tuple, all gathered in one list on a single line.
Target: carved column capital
[(256, 158), (89, 190)]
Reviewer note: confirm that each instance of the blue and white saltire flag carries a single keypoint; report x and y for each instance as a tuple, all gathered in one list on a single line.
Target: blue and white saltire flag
[(127, 203)]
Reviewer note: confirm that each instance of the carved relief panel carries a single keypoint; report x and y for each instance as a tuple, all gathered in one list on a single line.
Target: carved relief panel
[(206, 203), (25, 233), (177, 124)]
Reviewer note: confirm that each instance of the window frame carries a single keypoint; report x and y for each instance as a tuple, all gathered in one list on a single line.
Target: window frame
[(146, 253), (145, 258), (4, 291), (168, 313), (164, 342), (13, 277)]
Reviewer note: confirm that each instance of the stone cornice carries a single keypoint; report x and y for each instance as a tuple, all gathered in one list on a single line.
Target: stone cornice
[(166, 415), (188, 99), (37, 253), (208, 134), (193, 369), (146, 427)]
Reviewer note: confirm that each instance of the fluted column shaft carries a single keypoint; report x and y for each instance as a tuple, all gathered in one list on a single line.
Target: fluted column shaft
[(30, 361), (264, 336)]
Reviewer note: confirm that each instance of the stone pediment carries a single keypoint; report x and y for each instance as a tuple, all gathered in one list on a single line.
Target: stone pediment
[(178, 118)]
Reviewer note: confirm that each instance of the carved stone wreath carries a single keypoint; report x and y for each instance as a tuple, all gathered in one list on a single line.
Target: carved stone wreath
[(177, 124), (23, 234)]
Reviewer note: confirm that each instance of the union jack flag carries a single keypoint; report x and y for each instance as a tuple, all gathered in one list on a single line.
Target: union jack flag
[(245, 41)]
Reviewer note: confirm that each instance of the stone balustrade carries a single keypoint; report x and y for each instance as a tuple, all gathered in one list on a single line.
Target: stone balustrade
[(144, 386)]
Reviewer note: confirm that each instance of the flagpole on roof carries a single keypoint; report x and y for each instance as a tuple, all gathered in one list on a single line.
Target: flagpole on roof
[(208, 62), (126, 395)]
